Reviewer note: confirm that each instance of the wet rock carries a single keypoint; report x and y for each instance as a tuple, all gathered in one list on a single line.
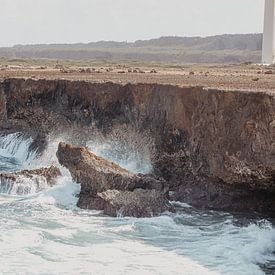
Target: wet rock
[(28, 181), (136, 194), (138, 203), (210, 194), (95, 174)]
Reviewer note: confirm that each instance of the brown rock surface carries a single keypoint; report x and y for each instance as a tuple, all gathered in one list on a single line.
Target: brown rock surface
[(95, 174), (106, 186)]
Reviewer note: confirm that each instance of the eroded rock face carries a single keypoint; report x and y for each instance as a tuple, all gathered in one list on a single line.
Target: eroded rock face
[(28, 181)]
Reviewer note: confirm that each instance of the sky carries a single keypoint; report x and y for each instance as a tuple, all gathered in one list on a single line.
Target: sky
[(73, 21)]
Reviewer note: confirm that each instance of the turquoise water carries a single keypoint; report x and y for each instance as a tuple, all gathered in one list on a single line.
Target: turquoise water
[(45, 233)]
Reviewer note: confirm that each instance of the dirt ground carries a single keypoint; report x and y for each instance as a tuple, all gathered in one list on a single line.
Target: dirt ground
[(226, 77)]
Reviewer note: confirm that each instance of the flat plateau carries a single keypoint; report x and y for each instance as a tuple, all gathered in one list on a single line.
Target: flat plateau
[(247, 77)]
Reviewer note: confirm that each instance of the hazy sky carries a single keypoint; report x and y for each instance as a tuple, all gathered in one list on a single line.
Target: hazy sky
[(70, 21)]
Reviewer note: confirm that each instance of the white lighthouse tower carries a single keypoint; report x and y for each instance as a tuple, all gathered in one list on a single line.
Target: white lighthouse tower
[(268, 51)]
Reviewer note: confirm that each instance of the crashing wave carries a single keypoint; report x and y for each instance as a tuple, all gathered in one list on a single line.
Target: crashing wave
[(22, 185), (15, 148)]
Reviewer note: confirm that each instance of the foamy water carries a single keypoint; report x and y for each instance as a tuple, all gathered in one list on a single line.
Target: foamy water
[(45, 233)]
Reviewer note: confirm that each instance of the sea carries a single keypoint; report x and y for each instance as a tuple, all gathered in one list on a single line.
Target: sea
[(46, 233)]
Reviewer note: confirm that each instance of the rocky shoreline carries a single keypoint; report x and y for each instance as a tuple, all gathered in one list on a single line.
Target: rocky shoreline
[(213, 149)]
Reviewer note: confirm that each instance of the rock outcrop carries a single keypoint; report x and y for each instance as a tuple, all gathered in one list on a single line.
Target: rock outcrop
[(138, 203), (214, 147), (99, 175), (28, 181), (108, 187)]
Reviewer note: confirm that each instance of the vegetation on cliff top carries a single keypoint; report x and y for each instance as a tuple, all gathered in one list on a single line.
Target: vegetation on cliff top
[(234, 48)]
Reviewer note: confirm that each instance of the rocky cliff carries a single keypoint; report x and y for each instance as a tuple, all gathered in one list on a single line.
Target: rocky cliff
[(215, 148)]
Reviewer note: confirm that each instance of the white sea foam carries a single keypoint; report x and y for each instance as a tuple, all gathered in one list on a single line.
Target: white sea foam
[(63, 194), (45, 256), (180, 204), (23, 185), (17, 146), (53, 240)]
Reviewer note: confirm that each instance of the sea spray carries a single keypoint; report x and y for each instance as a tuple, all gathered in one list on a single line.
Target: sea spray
[(16, 146), (130, 149), (23, 185)]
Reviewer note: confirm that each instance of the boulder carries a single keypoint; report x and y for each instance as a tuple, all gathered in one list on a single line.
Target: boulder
[(107, 186), (28, 181), (138, 203), (96, 174)]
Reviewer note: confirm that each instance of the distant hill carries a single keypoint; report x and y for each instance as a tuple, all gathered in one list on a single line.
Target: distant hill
[(228, 48)]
